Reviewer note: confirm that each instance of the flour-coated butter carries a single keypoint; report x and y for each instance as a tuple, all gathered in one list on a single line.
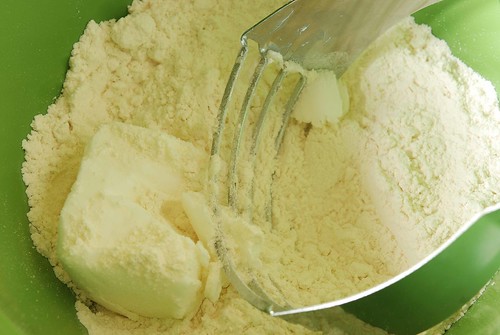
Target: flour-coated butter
[(115, 239)]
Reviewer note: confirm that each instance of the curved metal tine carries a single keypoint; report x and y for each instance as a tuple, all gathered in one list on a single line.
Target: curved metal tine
[(289, 109), (240, 127), (254, 295), (226, 98), (278, 80), (281, 133), (248, 291), (257, 133)]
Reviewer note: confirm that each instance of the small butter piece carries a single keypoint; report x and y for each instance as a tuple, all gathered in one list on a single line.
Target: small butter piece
[(324, 99), (213, 284), (115, 242), (196, 208)]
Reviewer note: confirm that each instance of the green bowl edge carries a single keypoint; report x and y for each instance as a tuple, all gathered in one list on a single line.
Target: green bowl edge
[(472, 30), (39, 37)]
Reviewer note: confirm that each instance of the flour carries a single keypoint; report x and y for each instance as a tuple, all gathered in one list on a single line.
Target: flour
[(324, 99), (365, 207), (358, 201)]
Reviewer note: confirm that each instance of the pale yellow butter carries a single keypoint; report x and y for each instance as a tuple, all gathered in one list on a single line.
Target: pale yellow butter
[(115, 239)]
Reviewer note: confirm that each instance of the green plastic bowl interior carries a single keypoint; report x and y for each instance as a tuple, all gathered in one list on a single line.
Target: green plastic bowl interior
[(37, 38)]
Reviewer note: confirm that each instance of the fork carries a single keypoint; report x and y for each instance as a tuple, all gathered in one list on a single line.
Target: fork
[(313, 34)]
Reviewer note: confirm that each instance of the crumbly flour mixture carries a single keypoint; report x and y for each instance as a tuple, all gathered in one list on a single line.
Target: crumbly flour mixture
[(360, 198)]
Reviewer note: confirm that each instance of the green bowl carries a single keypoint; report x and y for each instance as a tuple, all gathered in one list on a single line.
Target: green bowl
[(36, 39)]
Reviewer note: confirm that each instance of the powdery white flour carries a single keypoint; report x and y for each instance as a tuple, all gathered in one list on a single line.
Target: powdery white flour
[(373, 193), (358, 201)]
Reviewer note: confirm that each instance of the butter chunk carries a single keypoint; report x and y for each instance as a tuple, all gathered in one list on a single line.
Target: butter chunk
[(323, 100), (213, 285), (114, 239), (196, 208)]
